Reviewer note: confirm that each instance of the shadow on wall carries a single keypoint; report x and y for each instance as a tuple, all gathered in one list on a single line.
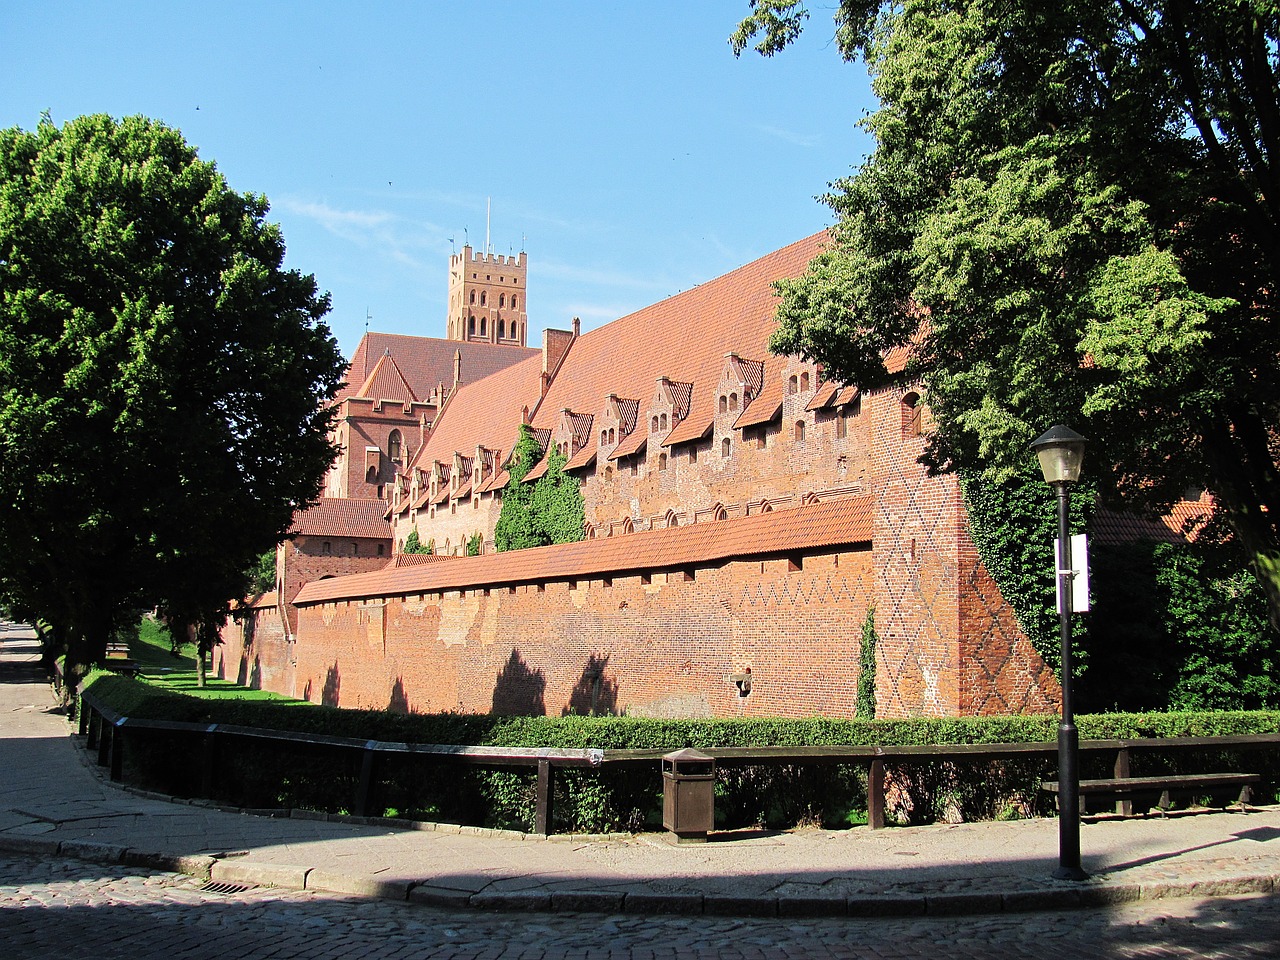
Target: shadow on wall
[(332, 684), (594, 693), (399, 702), (518, 691)]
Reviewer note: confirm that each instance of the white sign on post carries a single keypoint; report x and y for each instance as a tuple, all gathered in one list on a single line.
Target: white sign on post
[(1079, 573)]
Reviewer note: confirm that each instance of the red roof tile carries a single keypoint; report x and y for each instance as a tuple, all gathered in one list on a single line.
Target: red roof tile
[(766, 407), (428, 361), (414, 559), (386, 382), (693, 427), (1180, 524), (343, 517), (632, 443), (829, 524), (585, 456)]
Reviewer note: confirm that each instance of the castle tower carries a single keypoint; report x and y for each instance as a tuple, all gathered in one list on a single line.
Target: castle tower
[(487, 298)]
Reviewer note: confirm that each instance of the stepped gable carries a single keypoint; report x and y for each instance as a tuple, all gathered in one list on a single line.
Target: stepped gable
[(343, 517), (684, 338), (835, 523), (428, 361)]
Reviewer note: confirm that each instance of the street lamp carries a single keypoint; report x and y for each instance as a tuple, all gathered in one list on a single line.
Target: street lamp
[(1061, 453)]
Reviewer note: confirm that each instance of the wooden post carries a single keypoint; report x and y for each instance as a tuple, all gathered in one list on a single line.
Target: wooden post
[(875, 794), (364, 789), (546, 798), (1124, 805), (208, 761), (106, 733), (116, 757)]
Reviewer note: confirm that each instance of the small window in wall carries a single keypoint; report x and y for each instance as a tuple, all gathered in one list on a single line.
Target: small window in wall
[(471, 325), (381, 549), (627, 525), (693, 454), (482, 298), (612, 436), (911, 410), (804, 382), (653, 427), (502, 328), (724, 404), (355, 549), (482, 323), (799, 431), (842, 427), (473, 296), (726, 447), (720, 513), (393, 445), (502, 300), (672, 519), (733, 402), (662, 422), (662, 461), (793, 385), (513, 301), (326, 548), (608, 474), (635, 466)]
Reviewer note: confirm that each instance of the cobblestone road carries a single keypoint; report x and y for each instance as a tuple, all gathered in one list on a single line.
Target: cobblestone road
[(58, 909)]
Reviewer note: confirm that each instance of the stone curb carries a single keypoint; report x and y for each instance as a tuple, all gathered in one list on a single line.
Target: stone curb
[(240, 871)]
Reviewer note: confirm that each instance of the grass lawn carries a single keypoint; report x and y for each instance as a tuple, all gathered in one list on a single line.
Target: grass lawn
[(158, 666)]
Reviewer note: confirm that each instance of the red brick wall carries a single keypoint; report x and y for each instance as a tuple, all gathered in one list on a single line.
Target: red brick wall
[(254, 651)]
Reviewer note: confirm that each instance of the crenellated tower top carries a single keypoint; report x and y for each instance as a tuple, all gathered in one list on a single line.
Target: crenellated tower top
[(487, 298)]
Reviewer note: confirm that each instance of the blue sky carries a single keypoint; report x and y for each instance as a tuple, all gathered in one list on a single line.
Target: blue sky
[(622, 145)]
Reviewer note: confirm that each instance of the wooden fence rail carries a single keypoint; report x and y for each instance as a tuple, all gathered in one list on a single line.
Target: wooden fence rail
[(105, 729)]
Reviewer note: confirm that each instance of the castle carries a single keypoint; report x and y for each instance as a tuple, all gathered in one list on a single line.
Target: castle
[(745, 518)]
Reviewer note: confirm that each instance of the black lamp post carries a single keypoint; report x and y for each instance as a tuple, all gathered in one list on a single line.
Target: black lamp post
[(1061, 453)]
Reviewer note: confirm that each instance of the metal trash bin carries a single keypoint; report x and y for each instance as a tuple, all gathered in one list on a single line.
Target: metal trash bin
[(688, 795)]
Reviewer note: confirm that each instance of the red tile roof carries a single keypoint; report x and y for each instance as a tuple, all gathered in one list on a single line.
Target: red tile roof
[(428, 361), (633, 442), (1180, 524), (829, 524), (343, 517), (386, 382), (414, 559), (683, 338)]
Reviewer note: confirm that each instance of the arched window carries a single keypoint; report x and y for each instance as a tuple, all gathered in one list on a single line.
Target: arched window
[(483, 298), (672, 519), (911, 410), (804, 382), (473, 296), (725, 447), (612, 436), (604, 437), (627, 525), (502, 328), (662, 461), (654, 427), (608, 474), (733, 402), (724, 404), (482, 323), (799, 432), (502, 300), (719, 513), (393, 445), (793, 385), (513, 301), (471, 326), (662, 421)]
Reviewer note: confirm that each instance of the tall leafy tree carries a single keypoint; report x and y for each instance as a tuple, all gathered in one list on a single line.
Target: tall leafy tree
[(1072, 214), (163, 380)]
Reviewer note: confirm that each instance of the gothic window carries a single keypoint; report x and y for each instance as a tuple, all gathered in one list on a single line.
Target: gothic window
[(799, 432), (612, 435), (502, 328), (725, 447), (720, 513), (471, 326), (482, 321), (393, 445), (483, 298), (502, 300), (628, 526), (604, 437), (793, 385), (654, 428), (473, 296), (724, 404), (662, 422), (733, 402), (513, 301), (911, 409), (662, 461), (804, 382), (672, 519)]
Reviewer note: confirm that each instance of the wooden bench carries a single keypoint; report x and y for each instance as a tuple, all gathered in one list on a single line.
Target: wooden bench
[(1125, 790), (118, 660)]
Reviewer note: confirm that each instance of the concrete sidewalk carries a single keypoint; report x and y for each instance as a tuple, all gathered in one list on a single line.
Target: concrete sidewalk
[(54, 801)]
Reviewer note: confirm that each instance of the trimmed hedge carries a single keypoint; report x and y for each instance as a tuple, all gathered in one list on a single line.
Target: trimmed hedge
[(776, 796)]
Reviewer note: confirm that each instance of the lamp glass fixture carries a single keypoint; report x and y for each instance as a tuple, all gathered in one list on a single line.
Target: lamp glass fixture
[(1061, 453)]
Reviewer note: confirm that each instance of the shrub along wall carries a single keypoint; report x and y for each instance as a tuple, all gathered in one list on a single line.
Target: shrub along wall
[(268, 775)]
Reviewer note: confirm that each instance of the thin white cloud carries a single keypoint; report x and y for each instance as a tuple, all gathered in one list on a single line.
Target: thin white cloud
[(399, 238), (807, 140)]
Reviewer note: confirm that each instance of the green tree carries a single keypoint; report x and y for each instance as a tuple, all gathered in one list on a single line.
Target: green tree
[(1072, 214), (557, 507), (164, 381), (412, 544), (475, 544)]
